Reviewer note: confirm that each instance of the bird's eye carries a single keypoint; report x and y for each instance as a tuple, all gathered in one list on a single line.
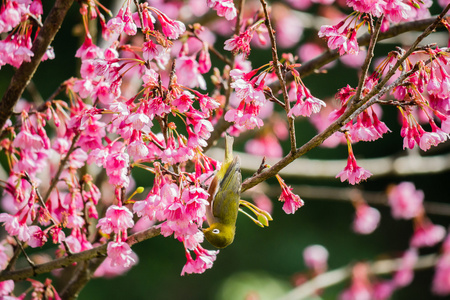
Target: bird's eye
[(216, 231)]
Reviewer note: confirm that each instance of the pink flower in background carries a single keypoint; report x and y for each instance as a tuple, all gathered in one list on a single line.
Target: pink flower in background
[(316, 258), (266, 145), (289, 29), (406, 202), (441, 279), (427, 235), (405, 273), (263, 202), (383, 290), (360, 287), (366, 219)]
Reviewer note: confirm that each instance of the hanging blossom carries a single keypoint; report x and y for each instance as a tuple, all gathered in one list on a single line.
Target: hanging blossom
[(306, 104), (433, 79), (249, 91), (368, 126), (393, 10), (404, 275), (16, 18), (341, 37), (352, 172), (241, 43), (291, 201)]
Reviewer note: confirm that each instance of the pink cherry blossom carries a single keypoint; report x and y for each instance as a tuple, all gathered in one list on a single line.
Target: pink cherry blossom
[(37, 237), (120, 254), (117, 219), (292, 202), (352, 172)]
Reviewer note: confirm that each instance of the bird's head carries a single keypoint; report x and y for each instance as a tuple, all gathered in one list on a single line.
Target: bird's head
[(220, 235)]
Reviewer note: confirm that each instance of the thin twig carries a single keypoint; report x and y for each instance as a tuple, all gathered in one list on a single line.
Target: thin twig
[(281, 77), (32, 264), (141, 18), (44, 207), (369, 56), (62, 165)]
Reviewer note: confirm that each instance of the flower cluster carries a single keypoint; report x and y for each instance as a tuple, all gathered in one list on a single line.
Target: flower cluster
[(18, 19), (342, 36)]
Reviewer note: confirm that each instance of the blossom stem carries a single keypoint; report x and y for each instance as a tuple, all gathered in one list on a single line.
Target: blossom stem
[(369, 56)]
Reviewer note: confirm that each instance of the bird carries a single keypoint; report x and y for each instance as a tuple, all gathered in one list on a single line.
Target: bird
[(224, 195)]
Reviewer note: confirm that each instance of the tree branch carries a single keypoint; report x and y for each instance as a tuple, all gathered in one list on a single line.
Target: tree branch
[(356, 108), (99, 251), (25, 72)]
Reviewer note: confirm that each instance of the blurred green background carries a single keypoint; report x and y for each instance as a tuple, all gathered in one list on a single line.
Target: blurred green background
[(261, 263)]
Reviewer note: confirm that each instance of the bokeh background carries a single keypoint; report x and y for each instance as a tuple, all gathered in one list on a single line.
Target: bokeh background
[(265, 263)]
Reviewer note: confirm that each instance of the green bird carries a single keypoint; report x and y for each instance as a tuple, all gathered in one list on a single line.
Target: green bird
[(224, 195)]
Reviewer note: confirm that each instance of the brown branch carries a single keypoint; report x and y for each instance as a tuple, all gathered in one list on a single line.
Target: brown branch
[(369, 56), (99, 251), (25, 72), (83, 273)]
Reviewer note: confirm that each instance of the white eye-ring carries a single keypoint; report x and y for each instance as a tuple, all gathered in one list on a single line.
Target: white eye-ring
[(216, 231)]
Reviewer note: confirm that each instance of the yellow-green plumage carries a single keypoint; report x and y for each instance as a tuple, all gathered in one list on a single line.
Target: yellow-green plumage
[(224, 196)]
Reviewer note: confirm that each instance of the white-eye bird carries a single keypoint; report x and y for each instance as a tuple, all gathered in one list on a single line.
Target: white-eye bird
[(224, 195)]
